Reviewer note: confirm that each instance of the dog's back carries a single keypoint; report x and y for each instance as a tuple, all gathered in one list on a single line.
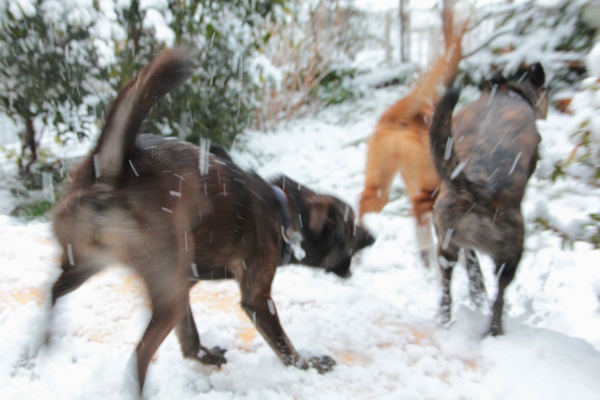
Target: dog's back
[(498, 157), (489, 149), (96, 222)]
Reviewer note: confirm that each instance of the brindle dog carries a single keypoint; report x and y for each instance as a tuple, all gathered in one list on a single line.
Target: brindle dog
[(485, 158), (178, 213)]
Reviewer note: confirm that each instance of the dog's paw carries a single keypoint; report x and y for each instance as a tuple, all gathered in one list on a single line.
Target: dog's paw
[(214, 356), (444, 316), (425, 259), (479, 300), (495, 330), (322, 364)]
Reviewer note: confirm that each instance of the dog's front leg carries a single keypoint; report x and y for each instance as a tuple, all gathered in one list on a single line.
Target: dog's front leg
[(255, 285), (189, 340)]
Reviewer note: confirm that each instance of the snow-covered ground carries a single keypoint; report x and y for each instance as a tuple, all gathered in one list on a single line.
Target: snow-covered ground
[(379, 325)]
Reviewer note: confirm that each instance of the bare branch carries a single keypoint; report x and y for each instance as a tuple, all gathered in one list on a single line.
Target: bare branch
[(487, 42)]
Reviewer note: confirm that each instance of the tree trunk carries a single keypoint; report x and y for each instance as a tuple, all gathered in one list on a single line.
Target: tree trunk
[(387, 39), (28, 143), (447, 20), (404, 32)]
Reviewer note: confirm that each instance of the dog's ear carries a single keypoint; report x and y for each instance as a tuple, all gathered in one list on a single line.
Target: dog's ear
[(319, 210), (220, 152), (537, 76), (498, 79)]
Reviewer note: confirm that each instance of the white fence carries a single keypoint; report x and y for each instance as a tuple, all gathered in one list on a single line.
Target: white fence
[(425, 39), (8, 130)]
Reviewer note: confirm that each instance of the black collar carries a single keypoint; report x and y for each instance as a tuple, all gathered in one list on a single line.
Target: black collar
[(286, 228), (522, 92)]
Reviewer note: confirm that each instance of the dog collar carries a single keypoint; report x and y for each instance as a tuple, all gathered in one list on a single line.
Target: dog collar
[(518, 92), (291, 238)]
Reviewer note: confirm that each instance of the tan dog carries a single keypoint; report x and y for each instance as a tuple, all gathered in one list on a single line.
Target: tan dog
[(176, 214), (401, 143)]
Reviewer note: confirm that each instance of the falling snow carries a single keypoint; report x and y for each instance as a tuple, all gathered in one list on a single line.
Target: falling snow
[(203, 157), (458, 169), (514, 164), (271, 306), (132, 168), (447, 238), (380, 325), (448, 150)]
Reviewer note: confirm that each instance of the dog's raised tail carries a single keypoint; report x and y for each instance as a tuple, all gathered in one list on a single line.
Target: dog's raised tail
[(425, 90), (447, 162), (133, 103)]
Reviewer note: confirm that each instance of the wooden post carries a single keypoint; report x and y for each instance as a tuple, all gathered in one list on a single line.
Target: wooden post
[(387, 39), (447, 20), (404, 32)]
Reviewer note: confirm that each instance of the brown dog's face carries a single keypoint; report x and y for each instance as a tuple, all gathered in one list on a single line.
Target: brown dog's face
[(332, 236)]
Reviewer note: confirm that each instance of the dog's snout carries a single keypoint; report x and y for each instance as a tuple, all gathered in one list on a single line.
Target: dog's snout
[(364, 238), (342, 269), (369, 240)]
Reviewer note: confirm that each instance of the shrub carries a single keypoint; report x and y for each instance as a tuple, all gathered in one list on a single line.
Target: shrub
[(310, 53), (61, 65), (218, 101), (44, 64), (556, 35)]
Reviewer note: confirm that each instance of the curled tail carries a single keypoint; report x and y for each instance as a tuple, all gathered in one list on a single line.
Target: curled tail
[(133, 103), (442, 73), (447, 163)]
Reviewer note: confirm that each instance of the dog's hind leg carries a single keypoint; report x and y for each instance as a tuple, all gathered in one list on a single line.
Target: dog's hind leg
[(167, 311), (166, 275), (447, 258), (506, 268), (424, 239), (382, 165), (506, 259), (189, 340), (76, 270), (477, 291), (422, 208), (73, 275)]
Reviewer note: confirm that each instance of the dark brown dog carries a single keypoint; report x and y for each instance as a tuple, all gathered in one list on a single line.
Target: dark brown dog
[(177, 213), (485, 158)]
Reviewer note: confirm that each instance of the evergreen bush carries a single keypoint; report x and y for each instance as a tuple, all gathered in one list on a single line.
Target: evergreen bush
[(62, 62)]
